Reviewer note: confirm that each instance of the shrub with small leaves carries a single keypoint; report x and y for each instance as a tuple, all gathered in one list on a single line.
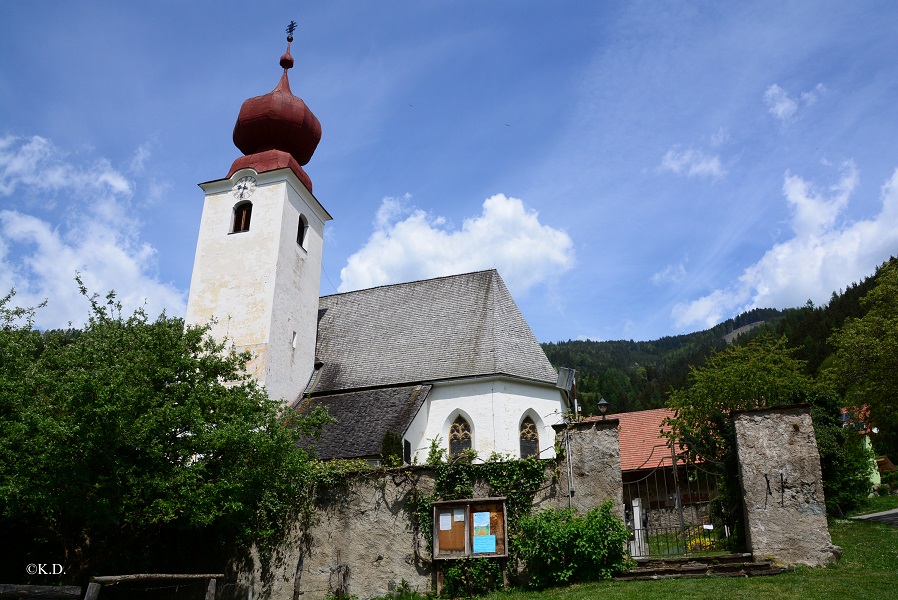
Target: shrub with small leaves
[(560, 546), (470, 577)]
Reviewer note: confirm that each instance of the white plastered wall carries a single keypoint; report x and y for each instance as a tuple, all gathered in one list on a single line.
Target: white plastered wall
[(494, 407), (260, 286)]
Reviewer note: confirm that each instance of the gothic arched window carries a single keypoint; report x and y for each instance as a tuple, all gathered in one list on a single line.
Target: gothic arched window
[(242, 214), (459, 435), (529, 438)]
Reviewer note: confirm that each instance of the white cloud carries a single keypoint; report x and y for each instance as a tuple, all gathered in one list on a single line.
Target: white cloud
[(812, 211), (720, 137), (91, 230), (670, 274), (822, 257), (811, 97), (784, 107), (39, 166), (408, 244), (707, 311), (140, 158), (692, 163)]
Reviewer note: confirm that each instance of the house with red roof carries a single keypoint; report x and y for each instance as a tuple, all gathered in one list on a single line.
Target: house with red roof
[(667, 502)]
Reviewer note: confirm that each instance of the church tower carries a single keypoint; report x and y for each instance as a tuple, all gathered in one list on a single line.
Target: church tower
[(257, 270)]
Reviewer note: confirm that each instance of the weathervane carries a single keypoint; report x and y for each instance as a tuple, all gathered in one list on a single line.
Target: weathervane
[(290, 29)]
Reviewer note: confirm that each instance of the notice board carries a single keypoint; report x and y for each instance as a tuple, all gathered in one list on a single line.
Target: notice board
[(463, 528)]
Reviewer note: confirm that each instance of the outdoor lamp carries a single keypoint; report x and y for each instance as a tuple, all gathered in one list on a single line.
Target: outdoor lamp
[(603, 406)]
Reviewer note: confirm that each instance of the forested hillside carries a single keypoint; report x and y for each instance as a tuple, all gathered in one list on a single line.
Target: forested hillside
[(640, 375)]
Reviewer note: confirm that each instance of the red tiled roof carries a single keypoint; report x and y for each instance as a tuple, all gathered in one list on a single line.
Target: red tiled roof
[(641, 444), (859, 417)]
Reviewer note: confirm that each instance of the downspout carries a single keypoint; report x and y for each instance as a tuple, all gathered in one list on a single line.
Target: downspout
[(570, 467)]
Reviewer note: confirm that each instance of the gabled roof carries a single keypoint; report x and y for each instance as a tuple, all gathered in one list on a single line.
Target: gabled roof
[(424, 331), (641, 443), (363, 418)]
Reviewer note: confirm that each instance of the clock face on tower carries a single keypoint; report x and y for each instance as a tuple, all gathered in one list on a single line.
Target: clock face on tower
[(244, 187)]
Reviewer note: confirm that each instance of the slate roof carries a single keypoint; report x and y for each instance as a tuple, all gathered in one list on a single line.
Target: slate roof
[(363, 419), (641, 443), (423, 331), (381, 348)]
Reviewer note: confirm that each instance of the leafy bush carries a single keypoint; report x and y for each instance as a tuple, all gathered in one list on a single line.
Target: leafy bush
[(139, 444), (844, 460), (471, 577), (560, 547), (403, 591)]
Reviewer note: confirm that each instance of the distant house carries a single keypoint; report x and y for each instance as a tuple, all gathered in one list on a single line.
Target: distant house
[(858, 419), (666, 500), (642, 445)]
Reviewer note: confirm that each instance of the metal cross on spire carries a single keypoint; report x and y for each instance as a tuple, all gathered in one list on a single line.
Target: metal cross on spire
[(290, 29)]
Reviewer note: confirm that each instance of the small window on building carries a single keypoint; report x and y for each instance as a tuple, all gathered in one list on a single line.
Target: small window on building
[(459, 436), (529, 438), (242, 214), (407, 452), (302, 231)]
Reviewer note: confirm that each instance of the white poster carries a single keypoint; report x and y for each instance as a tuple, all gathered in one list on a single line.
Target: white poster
[(445, 521)]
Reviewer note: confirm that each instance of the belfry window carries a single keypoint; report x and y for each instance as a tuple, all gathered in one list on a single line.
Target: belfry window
[(529, 438), (459, 435), (242, 214), (302, 230)]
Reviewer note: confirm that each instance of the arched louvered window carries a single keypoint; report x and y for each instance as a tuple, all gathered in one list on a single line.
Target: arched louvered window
[(529, 438), (242, 214), (459, 435)]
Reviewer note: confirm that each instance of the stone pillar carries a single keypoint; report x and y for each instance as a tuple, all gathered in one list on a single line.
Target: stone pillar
[(591, 465), (782, 486)]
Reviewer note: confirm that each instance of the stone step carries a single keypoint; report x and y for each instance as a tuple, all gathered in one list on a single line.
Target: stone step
[(690, 567), (738, 557)]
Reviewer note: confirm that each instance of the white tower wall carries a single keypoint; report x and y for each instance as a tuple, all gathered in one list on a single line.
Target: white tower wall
[(260, 286)]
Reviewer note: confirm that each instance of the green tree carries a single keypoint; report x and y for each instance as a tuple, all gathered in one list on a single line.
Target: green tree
[(845, 461), (126, 444), (761, 374), (864, 365)]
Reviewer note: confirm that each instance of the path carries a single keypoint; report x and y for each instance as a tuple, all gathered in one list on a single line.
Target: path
[(889, 517)]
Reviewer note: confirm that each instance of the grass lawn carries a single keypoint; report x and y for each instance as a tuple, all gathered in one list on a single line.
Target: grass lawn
[(868, 569), (876, 504)]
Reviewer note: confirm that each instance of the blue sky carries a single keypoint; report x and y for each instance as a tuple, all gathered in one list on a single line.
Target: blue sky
[(632, 169)]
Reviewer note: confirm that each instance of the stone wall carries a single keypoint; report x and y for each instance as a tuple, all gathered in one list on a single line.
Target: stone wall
[(365, 536), (594, 472), (782, 486)]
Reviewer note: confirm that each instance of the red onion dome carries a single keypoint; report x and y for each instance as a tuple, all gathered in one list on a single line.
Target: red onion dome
[(278, 121)]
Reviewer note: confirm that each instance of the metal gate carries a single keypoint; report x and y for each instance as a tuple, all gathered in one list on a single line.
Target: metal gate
[(674, 508)]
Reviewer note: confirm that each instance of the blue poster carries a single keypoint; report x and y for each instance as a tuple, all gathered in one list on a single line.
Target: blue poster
[(481, 523), (484, 544)]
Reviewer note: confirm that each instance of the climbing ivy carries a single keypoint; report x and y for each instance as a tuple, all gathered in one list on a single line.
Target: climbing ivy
[(455, 477), (557, 546)]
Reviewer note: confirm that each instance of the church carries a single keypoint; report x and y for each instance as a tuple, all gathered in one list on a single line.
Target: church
[(447, 361)]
